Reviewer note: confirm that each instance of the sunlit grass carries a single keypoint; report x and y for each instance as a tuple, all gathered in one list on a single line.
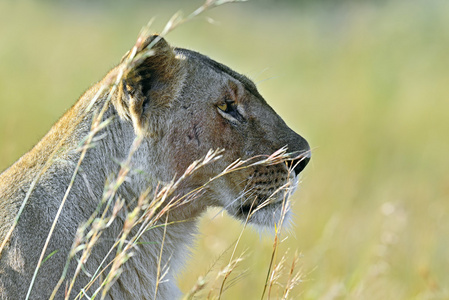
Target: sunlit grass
[(365, 84)]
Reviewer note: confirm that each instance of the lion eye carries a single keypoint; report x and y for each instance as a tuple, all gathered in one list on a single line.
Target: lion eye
[(223, 107), (228, 109), (227, 106)]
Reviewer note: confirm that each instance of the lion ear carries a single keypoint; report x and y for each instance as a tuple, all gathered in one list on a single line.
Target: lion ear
[(151, 81)]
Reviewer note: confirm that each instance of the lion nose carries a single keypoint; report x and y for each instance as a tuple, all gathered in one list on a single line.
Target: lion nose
[(301, 162)]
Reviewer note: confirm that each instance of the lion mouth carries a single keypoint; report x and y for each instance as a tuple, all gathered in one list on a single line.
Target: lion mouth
[(267, 193), (266, 209), (266, 215), (246, 210), (269, 203)]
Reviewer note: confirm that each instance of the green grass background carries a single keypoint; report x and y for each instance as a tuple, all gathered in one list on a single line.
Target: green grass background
[(367, 83)]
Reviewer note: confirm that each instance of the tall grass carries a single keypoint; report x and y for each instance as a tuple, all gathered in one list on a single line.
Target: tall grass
[(365, 83), (150, 210)]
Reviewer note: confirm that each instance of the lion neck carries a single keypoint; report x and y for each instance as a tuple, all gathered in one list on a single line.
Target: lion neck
[(163, 245)]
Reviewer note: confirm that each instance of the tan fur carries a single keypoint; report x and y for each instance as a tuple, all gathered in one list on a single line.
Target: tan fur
[(172, 98)]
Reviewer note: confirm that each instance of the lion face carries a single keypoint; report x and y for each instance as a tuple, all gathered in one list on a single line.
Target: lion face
[(212, 107), (223, 109)]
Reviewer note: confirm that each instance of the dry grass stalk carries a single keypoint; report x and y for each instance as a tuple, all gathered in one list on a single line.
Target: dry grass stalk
[(151, 206)]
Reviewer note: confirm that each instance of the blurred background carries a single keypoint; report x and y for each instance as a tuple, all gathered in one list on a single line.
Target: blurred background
[(366, 82)]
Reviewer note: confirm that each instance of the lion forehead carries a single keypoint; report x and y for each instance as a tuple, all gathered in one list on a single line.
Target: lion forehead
[(221, 69)]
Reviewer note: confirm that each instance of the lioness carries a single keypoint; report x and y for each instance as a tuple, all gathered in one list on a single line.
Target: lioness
[(184, 104)]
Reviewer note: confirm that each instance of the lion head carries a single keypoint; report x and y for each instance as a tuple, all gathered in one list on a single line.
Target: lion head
[(186, 104)]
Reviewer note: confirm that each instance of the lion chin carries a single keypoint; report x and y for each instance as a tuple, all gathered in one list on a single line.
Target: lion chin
[(267, 211)]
